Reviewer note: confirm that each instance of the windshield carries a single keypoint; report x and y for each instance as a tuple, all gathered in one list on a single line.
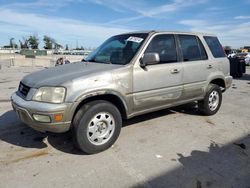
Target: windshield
[(119, 49)]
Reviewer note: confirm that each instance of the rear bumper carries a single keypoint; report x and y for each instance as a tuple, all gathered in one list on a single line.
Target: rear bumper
[(228, 81), (26, 109)]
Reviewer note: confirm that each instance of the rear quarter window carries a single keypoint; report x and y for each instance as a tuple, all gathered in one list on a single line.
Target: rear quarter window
[(215, 46)]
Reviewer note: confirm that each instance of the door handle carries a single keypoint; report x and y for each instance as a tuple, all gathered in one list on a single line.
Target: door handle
[(175, 71), (209, 66)]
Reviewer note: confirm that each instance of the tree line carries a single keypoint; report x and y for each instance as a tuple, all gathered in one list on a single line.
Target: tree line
[(32, 42)]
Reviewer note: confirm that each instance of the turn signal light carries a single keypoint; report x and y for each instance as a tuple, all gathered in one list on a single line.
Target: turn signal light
[(58, 117)]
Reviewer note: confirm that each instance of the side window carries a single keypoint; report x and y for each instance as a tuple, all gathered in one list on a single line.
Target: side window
[(165, 46), (215, 46), (192, 48)]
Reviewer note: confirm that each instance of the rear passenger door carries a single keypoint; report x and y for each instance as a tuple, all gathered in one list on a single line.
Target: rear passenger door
[(195, 66)]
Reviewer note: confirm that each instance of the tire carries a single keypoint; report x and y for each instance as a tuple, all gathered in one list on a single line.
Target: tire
[(212, 100), (96, 126)]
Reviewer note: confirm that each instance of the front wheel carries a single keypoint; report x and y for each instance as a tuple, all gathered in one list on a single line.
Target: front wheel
[(96, 126), (212, 101)]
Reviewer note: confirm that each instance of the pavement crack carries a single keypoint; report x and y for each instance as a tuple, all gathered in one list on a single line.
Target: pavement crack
[(140, 179)]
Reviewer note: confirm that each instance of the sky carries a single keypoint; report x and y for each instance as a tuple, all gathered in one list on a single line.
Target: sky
[(88, 23)]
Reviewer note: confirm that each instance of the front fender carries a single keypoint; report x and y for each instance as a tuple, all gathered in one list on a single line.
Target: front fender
[(99, 94)]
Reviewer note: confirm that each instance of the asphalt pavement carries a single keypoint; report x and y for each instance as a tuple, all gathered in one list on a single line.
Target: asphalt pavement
[(175, 147)]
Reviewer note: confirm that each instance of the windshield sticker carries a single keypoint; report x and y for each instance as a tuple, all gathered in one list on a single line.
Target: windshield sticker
[(135, 39)]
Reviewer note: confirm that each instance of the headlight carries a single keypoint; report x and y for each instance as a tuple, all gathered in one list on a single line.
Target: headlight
[(50, 94)]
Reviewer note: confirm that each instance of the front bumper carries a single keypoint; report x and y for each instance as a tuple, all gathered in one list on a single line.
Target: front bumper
[(26, 109), (228, 81)]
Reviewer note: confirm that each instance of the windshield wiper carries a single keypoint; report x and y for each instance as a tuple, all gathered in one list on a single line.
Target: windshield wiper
[(104, 62)]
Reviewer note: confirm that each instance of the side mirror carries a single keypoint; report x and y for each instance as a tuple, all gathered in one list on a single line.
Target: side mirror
[(149, 59)]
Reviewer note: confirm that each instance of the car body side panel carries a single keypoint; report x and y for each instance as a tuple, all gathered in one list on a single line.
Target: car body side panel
[(156, 85), (194, 78)]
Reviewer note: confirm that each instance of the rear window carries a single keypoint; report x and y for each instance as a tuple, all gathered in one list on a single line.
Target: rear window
[(215, 46)]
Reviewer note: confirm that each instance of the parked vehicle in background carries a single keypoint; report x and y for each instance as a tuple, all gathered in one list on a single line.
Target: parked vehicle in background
[(128, 75), (62, 61), (72, 52), (245, 49), (231, 55), (247, 61), (243, 57)]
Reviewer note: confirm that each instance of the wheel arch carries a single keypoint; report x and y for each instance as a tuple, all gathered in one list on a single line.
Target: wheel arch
[(111, 97), (220, 82)]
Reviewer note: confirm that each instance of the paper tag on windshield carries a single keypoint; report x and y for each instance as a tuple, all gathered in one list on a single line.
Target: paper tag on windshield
[(135, 39)]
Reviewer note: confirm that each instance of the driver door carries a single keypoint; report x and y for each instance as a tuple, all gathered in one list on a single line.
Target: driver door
[(160, 84)]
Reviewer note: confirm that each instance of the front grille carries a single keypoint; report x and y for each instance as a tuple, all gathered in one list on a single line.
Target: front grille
[(23, 89)]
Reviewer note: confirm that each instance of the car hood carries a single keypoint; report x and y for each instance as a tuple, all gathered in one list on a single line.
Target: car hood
[(59, 75)]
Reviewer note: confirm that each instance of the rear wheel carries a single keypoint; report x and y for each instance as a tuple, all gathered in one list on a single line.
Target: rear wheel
[(96, 126), (212, 101)]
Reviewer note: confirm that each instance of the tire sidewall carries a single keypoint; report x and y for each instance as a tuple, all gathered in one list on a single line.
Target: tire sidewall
[(81, 127), (206, 109)]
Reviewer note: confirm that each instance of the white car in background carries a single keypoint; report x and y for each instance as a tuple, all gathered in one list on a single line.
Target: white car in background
[(231, 55), (244, 57), (247, 59)]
